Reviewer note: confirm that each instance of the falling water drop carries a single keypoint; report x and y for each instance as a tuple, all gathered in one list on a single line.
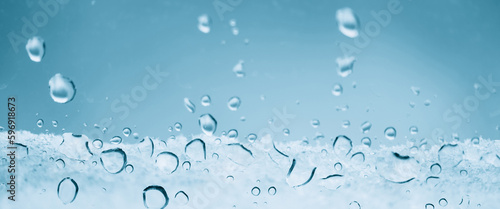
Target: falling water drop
[(208, 124), (390, 133), (35, 48), (155, 197), (415, 90), (234, 103), (62, 89), (348, 22), (67, 190)]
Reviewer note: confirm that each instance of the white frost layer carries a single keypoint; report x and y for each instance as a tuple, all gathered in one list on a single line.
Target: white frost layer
[(385, 177)]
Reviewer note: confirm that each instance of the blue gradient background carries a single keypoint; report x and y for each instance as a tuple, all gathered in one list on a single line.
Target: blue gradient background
[(440, 46)]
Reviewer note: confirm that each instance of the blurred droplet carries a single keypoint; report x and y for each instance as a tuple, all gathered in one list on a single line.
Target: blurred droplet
[(366, 141), (54, 123), (337, 90), (346, 124), (315, 123), (206, 100), (204, 23), (255, 191), (238, 69), (252, 137), (286, 131), (415, 90), (345, 66), (427, 102), (348, 22), (189, 105), (413, 130), (35, 48)]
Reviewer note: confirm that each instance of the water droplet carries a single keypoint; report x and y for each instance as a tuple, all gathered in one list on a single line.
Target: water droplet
[(35, 48), (39, 123), (182, 197), (234, 103), (252, 137), (236, 31), (206, 100), (113, 160), (116, 140), (208, 124), (315, 123), (238, 69), (345, 66), (186, 165), (354, 205), (450, 155), (390, 133), (215, 156), (62, 89), (429, 206), (348, 22), (54, 123), (60, 163), (464, 173), (366, 141), (230, 178), (126, 131), (346, 124), (271, 190), (155, 197), (178, 126), (189, 105), (338, 166), (412, 104), (443, 202), (232, 134), (67, 190), (435, 169), (365, 127), (217, 141), (337, 90), (342, 145), (167, 162), (196, 150), (97, 143), (129, 168), (358, 158), (255, 191), (427, 102), (204, 23), (413, 130), (475, 140), (415, 90), (286, 131)]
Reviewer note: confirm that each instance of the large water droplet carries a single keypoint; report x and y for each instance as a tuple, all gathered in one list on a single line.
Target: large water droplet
[(208, 124), (206, 100), (126, 131), (232, 134), (196, 150), (62, 89), (390, 133), (345, 65), (155, 197), (348, 22), (167, 162), (67, 190), (204, 23), (189, 105), (39, 123), (35, 48), (342, 145), (337, 90), (365, 127), (234, 103), (113, 160), (238, 69)]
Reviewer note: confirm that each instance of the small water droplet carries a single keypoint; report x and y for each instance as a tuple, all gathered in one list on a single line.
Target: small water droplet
[(348, 22), (232, 22), (60, 163), (97, 143), (415, 90), (475, 140), (429, 206), (255, 191), (62, 89), (189, 105), (178, 126), (315, 123), (252, 137), (234, 103), (345, 66), (129, 168), (365, 127), (390, 133), (354, 205), (412, 104), (39, 123), (54, 123), (346, 124), (155, 197), (208, 124), (116, 140), (206, 100), (67, 190), (413, 130), (235, 31), (464, 173), (238, 69), (435, 169), (204, 23), (337, 90), (232, 134), (286, 131), (113, 160), (271, 190), (338, 166), (35, 48), (366, 141), (427, 102), (443, 202), (186, 165), (126, 131)]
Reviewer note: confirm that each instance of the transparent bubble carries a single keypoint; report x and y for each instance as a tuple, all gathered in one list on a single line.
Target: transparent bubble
[(155, 197), (67, 190), (390, 133), (126, 131), (255, 191), (208, 124), (443, 202), (271, 190)]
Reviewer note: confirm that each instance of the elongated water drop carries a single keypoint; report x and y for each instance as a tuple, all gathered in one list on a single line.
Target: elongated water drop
[(204, 23), (39, 123), (35, 48), (116, 140), (113, 160), (234, 103), (365, 127), (155, 197), (126, 131), (415, 90), (67, 190), (345, 66), (348, 22), (342, 145), (62, 89), (189, 105), (208, 124)]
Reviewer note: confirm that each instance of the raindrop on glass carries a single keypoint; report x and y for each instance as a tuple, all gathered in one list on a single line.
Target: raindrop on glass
[(337, 90), (208, 124), (67, 190), (62, 89), (238, 69), (155, 197), (35, 48), (365, 127), (345, 66), (116, 140), (234, 103), (232, 134), (366, 141), (178, 126), (126, 132), (129, 168), (54, 123), (186, 165), (286, 131), (97, 143), (251, 137), (429, 206), (435, 169), (167, 162), (443, 202), (342, 145), (315, 123), (354, 205), (255, 191), (346, 124), (113, 160), (271, 190), (39, 123), (413, 130), (390, 133), (348, 22), (60, 163), (206, 100), (338, 166)]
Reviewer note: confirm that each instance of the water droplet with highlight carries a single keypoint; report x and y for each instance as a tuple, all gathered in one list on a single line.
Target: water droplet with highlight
[(338, 166), (348, 22), (189, 105), (271, 190), (206, 100), (342, 145), (443, 202), (113, 160), (204, 23), (255, 191), (182, 197), (252, 137), (67, 190), (413, 130), (286, 131), (337, 90), (435, 169), (186, 165), (97, 143), (54, 123), (232, 134), (315, 123), (429, 206), (238, 69), (196, 150), (39, 123), (345, 66), (167, 162), (346, 124), (365, 127), (178, 126), (126, 131), (116, 140), (62, 89), (35, 48), (366, 141), (155, 197), (129, 168), (415, 90), (390, 133), (208, 124), (427, 102), (60, 163), (234, 103)]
